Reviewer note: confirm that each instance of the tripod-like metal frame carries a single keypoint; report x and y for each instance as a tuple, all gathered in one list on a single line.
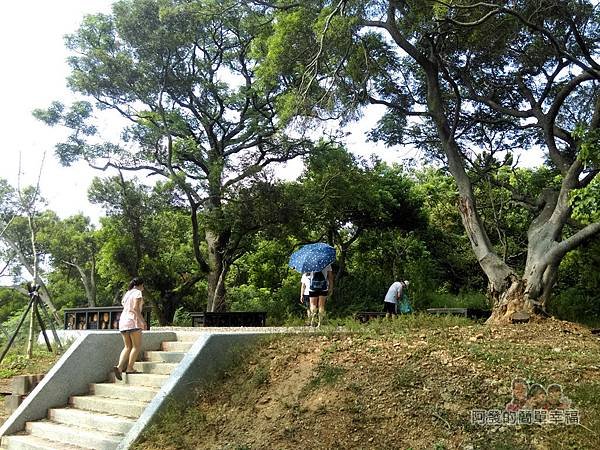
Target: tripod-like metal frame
[(37, 304)]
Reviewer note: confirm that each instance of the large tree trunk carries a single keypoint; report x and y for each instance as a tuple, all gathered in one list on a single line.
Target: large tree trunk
[(547, 245), (217, 243), (510, 301), (507, 292), (498, 273)]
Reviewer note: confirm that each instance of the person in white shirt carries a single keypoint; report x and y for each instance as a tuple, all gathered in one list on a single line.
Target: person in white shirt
[(320, 287), (392, 297), (304, 289)]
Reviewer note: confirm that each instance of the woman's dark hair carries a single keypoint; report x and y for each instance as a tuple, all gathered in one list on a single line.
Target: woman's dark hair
[(135, 282)]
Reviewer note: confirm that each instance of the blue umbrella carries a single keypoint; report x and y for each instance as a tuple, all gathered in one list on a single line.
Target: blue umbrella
[(312, 257)]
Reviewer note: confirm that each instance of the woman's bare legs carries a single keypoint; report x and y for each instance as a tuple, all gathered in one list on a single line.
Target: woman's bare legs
[(124, 357), (312, 312), (136, 346), (321, 303)]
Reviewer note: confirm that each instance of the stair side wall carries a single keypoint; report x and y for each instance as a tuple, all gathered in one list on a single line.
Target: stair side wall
[(88, 360)]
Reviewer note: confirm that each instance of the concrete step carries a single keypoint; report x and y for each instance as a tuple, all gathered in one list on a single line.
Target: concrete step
[(143, 379), (176, 346), (188, 336), (89, 419), (167, 357), (127, 408), (160, 368), (83, 437), (29, 442), (124, 391)]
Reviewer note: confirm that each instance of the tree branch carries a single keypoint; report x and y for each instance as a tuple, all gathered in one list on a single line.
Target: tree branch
[(569, 244)]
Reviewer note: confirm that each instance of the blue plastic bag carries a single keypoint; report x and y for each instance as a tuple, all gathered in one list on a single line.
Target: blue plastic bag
[(404, 306)]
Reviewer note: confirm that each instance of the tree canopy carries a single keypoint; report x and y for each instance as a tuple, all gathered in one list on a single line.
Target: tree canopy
[(470, 83), (181, 75), (213, 94)]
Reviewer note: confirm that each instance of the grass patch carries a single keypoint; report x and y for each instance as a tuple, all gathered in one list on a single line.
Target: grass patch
[(175, 428), (326, 374), (393, 384), (260, 376), (16, 363), (475, 300), (407, 377), (399, 325), (586, 395)]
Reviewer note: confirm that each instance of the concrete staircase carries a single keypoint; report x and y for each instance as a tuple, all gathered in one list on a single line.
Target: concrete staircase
[(101, 419)]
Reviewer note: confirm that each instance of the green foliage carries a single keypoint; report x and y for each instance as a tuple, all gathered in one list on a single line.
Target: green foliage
[(475, 300), (202, 120), (12, 365), (589, 144), (147, 234), (16, 362), (586, 203), (326, 373), (260, 376), (10, 301), (182, 318), (577, 305), (208, 111), (251, 298)]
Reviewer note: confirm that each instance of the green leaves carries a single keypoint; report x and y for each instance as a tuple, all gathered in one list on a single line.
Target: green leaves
[(589, 145), (586, 203)]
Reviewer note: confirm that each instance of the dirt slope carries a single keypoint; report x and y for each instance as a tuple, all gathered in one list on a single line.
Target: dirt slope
[(389, 386)]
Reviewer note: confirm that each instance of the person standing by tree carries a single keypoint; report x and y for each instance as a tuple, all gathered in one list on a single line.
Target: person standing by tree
[(321, 286), (394, 293), (131, 324)]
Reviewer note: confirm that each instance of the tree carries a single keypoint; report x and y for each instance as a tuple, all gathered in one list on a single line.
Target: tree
[(470, 83), (20, 222), (72, 244), (181, 74), (146, 232), (342, 197)]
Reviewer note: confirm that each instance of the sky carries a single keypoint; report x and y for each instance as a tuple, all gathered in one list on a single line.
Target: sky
[(34, 74)]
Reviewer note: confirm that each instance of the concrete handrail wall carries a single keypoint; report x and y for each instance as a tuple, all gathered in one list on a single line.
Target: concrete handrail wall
[(203, 363), (88, 360)]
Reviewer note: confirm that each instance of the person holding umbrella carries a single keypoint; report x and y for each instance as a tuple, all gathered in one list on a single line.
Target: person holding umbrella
[(316, 259)]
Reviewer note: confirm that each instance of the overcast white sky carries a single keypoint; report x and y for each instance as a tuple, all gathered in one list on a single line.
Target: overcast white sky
[(33, 74)]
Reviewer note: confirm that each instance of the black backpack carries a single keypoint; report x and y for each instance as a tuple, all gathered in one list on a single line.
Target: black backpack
[(318, 282)]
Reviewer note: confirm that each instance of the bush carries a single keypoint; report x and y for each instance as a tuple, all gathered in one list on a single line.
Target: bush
[(278, 305), (576, 305), (475, 300), (182, 318)]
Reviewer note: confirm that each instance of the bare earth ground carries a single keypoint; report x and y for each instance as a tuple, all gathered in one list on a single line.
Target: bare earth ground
[(4, 412), (392, 387)]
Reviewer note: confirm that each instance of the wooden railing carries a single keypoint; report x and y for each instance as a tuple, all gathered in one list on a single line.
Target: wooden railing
[(229, 319)]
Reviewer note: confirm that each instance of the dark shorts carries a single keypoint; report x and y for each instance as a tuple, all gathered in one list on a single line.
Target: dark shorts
[(313, 294), (389, 308), (130, 331)]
